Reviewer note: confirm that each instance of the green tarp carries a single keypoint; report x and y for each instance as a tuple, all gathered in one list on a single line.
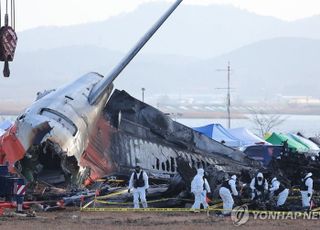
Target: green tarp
[(279, 138), (313, 148)]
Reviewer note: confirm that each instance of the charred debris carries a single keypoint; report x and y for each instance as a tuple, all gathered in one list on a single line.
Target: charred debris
[(131, 132), (83, 140)]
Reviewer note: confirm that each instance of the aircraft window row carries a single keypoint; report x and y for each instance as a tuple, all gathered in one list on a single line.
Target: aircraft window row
[(196, 163), (170, 165), (173, 165), (158, 164)]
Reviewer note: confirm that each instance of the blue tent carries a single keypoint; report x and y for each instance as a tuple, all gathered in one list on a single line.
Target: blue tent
[(220, 134)]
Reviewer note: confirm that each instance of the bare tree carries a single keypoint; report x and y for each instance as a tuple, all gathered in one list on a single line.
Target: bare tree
[(265, 122)]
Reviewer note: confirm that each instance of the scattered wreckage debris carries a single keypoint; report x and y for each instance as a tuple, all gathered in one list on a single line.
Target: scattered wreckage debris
[(59, 137), (53, 142), (76, 135), (290, 166)]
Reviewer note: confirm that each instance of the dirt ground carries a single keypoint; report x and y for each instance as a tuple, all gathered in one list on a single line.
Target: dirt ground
[(73, 219)]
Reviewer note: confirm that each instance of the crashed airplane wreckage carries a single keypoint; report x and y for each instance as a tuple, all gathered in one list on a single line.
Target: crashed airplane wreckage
[(79, 133)]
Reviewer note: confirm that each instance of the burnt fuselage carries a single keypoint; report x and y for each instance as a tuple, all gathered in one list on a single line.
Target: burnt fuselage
[(61, 123), (132, 132), (86, 133)]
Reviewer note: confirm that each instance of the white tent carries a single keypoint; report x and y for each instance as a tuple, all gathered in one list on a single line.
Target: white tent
[(247, 137)]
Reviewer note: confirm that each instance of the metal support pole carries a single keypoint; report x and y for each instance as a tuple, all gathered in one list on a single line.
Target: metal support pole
[(228, 93)]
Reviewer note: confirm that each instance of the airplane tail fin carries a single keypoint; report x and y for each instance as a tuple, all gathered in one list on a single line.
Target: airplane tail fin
[(101, 87)]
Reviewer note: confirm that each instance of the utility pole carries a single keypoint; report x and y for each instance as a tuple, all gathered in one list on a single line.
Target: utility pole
[(228, 97), (142, 90), (228, 70)]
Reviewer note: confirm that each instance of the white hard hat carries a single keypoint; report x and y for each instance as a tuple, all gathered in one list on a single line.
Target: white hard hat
[(260, 175), (274, 179), (234, 177), (309, 174)]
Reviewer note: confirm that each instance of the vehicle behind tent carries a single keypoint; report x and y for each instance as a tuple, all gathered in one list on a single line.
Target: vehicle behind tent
[(263, 153)]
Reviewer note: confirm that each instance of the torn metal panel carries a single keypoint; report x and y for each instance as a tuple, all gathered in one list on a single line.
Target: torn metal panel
[(97, 156)]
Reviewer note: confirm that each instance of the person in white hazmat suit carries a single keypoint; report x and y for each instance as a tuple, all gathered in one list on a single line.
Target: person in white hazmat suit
[(259, 186), (200, 187), (306, 189), (228, 188), (278, 189), (138, 185)]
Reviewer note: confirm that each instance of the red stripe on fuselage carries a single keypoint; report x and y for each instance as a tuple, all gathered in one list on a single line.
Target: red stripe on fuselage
[(97, 155)]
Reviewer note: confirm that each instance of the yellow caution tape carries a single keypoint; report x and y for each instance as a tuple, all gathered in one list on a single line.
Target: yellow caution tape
[(211, 208), (116, 181), (184, 210), (152, 201), (112, 194), (112, 180), (316, 209), (86, 205), (216, 205), (219, 204), (101, 180), (97, 200), (138, 209)]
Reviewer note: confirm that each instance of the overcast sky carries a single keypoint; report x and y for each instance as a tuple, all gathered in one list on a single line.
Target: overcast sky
[(34, 13)]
